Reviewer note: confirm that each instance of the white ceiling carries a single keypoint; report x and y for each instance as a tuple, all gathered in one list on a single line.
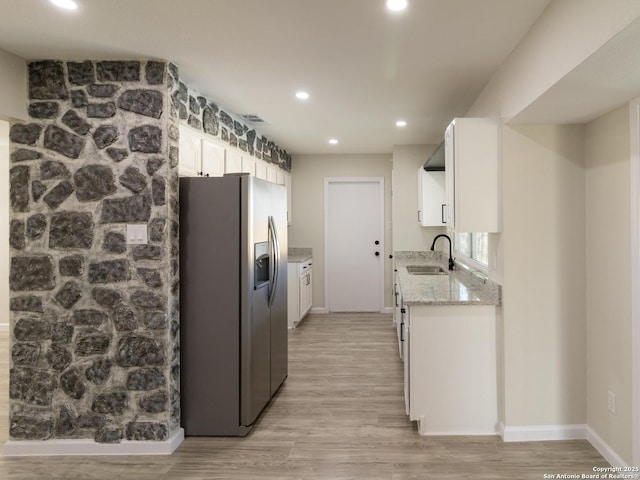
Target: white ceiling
[(363, 66)]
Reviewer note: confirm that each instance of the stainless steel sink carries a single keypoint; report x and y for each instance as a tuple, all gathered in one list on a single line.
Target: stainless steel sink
[(425, 270)]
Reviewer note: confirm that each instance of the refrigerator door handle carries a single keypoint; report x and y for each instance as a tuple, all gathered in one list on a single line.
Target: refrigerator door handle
[(276, 259)]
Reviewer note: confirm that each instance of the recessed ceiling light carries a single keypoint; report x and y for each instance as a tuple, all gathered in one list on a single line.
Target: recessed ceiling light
[(333, 141), (66, 4), (401, 123), (302, 95), (397, 5)]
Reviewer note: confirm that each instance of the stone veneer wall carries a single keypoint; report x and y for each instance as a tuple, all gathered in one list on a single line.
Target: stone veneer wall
[(95, 321), (202, 114)]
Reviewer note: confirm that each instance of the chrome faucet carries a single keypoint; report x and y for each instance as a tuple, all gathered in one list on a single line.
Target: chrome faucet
[(452, 262)]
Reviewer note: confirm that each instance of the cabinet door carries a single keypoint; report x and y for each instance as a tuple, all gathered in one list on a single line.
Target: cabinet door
[(189, 162), (261, 169), (287, 184), (309, 288), (249, 165), (406, 354), (449, 150), (476, 163), (303, 296), (431, 198), (293, 295), (233, 161), (400, 332), (472, 172), (212, 158), (272, 174)]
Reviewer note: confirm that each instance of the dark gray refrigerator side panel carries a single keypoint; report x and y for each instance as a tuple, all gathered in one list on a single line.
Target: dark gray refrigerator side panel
[(210, 304), (279, 329)]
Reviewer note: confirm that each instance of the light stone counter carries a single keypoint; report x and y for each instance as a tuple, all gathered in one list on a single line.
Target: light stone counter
[(296, 255), (459, 287)]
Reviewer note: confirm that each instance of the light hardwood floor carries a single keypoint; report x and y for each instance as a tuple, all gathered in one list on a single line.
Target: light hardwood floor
[(340, 415)]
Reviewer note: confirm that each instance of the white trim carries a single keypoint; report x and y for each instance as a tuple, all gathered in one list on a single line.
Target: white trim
[(380, 182), (4, 326), (27, 448), (538, 433), (634, 133), (604, 449), (387, 311)]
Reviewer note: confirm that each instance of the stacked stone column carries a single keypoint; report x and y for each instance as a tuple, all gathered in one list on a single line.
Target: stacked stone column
[(94, 320)]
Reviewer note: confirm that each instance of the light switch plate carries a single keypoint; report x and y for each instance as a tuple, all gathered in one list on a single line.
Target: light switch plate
[(137, 234)]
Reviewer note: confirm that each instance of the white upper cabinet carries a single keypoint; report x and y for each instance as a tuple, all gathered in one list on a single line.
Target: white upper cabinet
[(261, 169), (233, 161), (472, 171), (199, 155), (249, 165), (431, 199), (287, 184), (212, 159), (189, 164), (203, 155), (272, 174)]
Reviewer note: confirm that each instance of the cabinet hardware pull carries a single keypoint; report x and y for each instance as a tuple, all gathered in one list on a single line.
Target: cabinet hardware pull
[(442, 213), (419, 219), (402, 332)]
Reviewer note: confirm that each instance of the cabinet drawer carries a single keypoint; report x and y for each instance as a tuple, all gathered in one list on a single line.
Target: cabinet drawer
[(304, 267)]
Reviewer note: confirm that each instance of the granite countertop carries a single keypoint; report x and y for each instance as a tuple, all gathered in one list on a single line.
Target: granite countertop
[(297, 255), (459, 287)]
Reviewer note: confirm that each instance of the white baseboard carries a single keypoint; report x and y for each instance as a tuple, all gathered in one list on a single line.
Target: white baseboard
[(537, 433), (561, 432), (4, 326), (318, 311), (604, 449), (325, 311), (26, 448)]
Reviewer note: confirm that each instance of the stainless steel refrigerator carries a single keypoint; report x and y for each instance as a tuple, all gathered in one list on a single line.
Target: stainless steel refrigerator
[(233, 301)]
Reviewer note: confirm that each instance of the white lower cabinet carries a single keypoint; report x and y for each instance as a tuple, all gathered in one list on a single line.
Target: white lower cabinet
[(405, 345), (398, 312), (299, 291), (450, 369)]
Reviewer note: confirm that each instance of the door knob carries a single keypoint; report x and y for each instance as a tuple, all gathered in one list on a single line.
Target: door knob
[(377, 254), (377, 242)]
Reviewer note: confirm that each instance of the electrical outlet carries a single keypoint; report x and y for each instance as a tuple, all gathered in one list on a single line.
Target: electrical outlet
[(611, 402), (137, 234)]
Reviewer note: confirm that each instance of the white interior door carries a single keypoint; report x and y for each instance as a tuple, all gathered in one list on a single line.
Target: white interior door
[(354, 244)]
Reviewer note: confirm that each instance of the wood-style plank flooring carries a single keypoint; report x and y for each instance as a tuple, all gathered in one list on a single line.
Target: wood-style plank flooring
[(339, 416)]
